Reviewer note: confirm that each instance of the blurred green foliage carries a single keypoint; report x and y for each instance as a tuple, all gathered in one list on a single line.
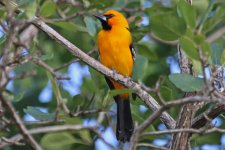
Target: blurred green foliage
[(173, 20)]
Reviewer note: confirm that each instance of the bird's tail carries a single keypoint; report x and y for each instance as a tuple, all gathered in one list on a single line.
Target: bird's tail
[(125, 127)]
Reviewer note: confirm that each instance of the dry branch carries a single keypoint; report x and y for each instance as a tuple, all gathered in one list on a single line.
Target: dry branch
[(149, 100), (27, 136)]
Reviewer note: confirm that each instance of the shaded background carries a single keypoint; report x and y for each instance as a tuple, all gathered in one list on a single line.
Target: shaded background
[(87, 88)]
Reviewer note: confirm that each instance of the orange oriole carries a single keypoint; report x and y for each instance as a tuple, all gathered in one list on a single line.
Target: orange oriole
[(117, 53)]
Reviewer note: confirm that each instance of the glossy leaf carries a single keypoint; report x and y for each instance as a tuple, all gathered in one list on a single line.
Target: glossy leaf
[(70, 26), (91, 26), (140, 65), (223, 58), (217, 53), (187, 12), (189, 47), (39, 115), (48, 8), (30, 9), (146, 49), (168, 26), (217, 17), (169, 91), (58, 141), (19, 97), (186, 82), (2, 39)]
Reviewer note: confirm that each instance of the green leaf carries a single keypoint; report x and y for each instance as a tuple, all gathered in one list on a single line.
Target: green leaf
[(187, 12), (77, 100), (56, 89), (39, 115), (8, 95), (206, 49), (201, 5), (91, 26), (73, 120), (47, 56), (99, 4), (197, 66), (2, 39), (186, 82), (141, 64), (223, 58), (2, 14), (218, 16), (166, 92), (58, 141), (169, 91), (189, 47), (13, 97), (213, 138), (146, 49), (70, 26), (30, 9), (217, 53), (168, 26), (137, 102), (85, 136), (19, 97), (48, 8), (198, 38)]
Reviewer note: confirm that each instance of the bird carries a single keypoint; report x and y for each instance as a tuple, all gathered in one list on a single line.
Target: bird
[(117, 52)]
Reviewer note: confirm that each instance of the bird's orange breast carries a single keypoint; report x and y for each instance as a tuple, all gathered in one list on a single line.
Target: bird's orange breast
[(115, 51)]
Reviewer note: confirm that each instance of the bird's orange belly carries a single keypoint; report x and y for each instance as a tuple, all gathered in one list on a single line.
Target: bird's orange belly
[(119, 60)]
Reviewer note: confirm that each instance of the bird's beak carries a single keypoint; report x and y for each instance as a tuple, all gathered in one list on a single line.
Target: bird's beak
[(101, 17)]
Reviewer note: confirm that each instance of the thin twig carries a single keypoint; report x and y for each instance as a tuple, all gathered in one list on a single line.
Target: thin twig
[(200, 120), (138, 131), (72, 61), (189, 130), (42, 122), (3, 139), (27, 136), (85, 112), (152, 146), (216, 35), (50, 69)]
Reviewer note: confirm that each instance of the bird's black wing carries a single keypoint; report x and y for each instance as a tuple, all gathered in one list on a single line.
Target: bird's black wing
[(133, 51)]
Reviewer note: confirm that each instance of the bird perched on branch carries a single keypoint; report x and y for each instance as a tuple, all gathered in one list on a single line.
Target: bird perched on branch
[(117, 53)]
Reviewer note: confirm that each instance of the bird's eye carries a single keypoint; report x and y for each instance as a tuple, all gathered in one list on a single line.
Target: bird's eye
[(109, 16)]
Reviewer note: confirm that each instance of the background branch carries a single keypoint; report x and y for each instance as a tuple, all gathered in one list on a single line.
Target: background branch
[(216, 35), (27, 136)]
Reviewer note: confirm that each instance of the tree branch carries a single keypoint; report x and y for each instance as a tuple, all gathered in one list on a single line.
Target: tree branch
[(7, 104), (187, 100), (152, 146), (216, 35), (56, 128), (201, 120), (188, 130), (149, 100)]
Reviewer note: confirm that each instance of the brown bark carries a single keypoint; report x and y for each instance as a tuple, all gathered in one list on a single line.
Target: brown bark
[(181, 140)]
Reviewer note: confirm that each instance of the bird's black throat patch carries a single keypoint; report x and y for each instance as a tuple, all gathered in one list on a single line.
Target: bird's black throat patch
[(105, 25)]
